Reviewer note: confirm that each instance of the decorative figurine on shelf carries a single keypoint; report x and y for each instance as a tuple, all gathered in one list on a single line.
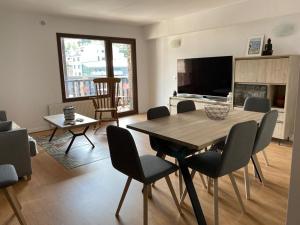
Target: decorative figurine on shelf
[(174, 93), (268, 48)]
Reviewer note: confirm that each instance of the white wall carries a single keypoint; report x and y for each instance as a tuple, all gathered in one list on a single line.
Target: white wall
[(232, 14), (29, 70), (230, 40)]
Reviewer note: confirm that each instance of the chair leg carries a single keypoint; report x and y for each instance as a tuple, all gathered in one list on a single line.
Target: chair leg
[(160, 155), (14, 204), (176, 162), (180, 183), (99, 123), (216, 206), (173, 193), (236, 190), (95, 117), (247, 182), (16, 199), (265, 156), (149, 191), (145, 204), (203, 180), (257, 165), (123, 195), (185, 190), (209, 182), (117, 118), (28, 177)]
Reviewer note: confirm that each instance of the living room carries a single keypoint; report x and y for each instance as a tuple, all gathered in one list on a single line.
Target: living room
[(32, 88)]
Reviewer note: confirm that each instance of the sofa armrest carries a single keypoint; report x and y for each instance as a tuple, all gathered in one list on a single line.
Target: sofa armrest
[(32, 146), (15, 150), (3, 116)]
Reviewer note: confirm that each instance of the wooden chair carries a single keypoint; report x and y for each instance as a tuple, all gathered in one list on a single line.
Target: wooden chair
[(106, 100)]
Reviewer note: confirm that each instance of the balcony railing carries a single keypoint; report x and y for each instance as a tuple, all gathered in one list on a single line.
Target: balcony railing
[(85, 87)]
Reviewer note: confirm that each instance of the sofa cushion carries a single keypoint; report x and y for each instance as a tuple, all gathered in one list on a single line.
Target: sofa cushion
[(3, 115), (5, 125)]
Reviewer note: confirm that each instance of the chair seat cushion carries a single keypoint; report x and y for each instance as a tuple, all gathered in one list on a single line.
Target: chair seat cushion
[(206, 163), (156, 168), (8, 175), (172, 149)]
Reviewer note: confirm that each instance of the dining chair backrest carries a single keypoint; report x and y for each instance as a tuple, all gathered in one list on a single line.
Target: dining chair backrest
[(155, 113), (186, 106), (265, 131), (123, 153), (257, 104), (238, 147), (107, 91)]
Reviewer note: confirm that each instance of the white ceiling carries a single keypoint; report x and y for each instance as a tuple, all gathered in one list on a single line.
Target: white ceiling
[(133, 11)]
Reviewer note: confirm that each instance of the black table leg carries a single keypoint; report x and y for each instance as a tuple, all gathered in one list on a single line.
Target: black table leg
[(71, 143), (52, 135), (192, 193), (256, 171), (89, 140), (76, 135)]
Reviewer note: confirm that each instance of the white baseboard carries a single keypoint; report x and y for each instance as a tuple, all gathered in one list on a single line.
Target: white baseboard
[(38, 129)]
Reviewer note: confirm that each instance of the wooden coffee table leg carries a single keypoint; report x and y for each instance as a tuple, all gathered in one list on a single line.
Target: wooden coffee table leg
[(52, 135)]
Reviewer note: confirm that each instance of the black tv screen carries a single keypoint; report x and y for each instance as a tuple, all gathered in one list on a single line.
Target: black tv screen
[(205, 76)]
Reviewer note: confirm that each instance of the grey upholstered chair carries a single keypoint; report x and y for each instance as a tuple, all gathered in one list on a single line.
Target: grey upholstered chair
[(17, 149), (258, 104), (8, 177), (164, 147), (237, 153), (262, 140), (185, 106), (145, 169)]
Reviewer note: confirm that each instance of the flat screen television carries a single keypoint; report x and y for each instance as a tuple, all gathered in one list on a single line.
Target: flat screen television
[(205, 76)]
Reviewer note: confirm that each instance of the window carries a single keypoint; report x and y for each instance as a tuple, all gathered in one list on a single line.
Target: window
[(83, 58)]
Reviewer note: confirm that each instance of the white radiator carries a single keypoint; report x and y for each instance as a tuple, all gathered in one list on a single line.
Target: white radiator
[(85, 108)]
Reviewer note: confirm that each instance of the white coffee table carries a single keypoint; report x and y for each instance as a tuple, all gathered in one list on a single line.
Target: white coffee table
[(59, 122)]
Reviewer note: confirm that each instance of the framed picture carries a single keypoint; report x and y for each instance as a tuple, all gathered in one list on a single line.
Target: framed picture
[(255, 45)]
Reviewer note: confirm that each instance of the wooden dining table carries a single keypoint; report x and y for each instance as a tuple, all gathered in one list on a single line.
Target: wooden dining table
[(193, 130)]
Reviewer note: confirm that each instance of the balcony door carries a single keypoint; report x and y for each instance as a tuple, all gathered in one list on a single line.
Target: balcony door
[(83, 58), (123, 55)]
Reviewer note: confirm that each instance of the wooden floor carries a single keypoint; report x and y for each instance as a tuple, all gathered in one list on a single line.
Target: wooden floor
[(89, 195)]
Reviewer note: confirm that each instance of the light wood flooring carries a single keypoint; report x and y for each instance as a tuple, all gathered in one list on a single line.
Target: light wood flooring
[(89, 195)]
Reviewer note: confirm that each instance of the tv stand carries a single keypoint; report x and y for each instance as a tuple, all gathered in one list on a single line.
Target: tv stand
[(200, 102)]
